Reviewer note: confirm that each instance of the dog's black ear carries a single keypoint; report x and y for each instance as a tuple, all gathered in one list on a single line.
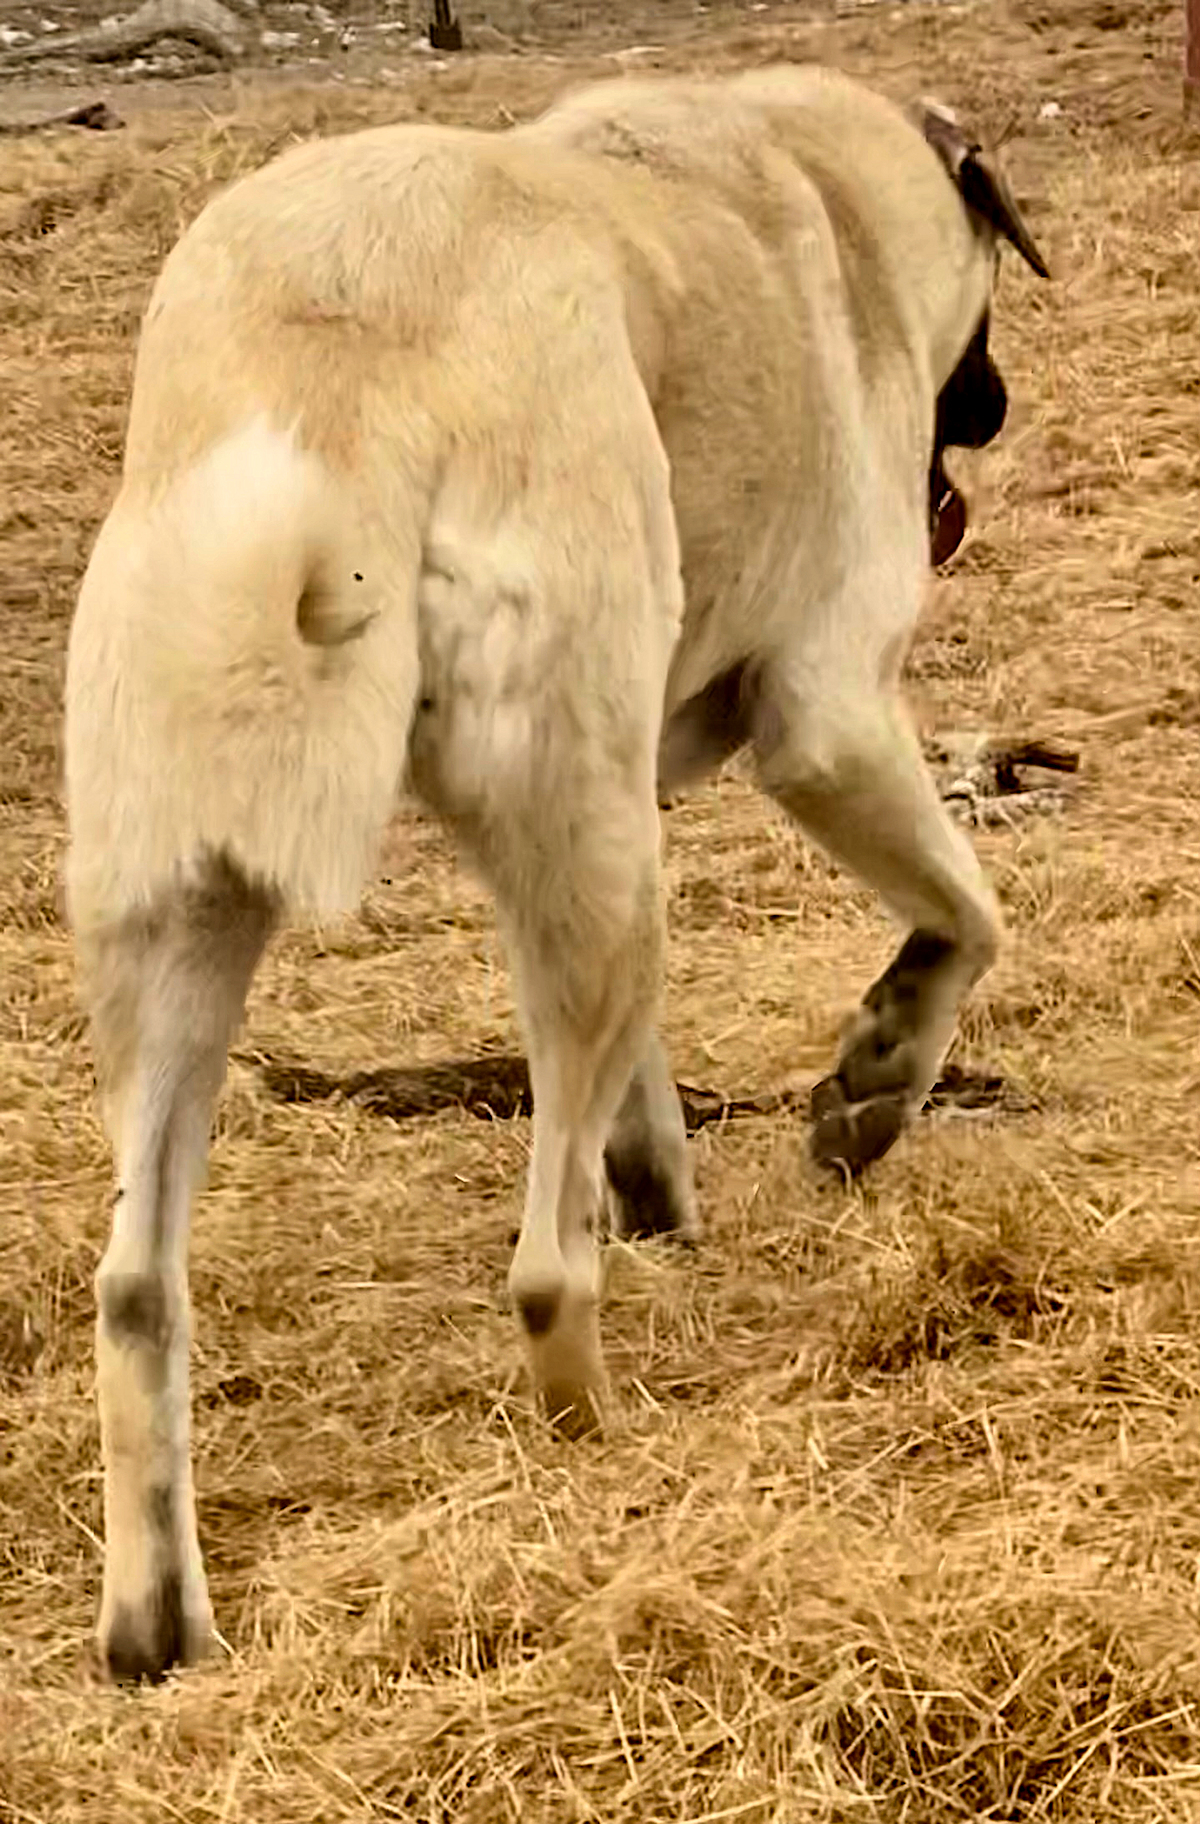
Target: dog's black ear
[(980, 183), (984, 190)]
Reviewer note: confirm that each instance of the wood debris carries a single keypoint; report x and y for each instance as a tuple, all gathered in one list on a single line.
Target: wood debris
[(207, 24), (96, 115), (987, 780)]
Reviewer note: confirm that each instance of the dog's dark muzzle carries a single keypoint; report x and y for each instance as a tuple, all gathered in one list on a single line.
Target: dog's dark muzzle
[(971, 410), (972, 407)]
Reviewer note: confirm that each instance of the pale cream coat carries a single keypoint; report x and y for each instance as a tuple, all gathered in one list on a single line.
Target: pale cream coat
[(481, 458)]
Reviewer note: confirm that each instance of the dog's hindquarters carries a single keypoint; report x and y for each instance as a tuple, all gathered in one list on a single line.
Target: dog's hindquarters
[(240, 680)]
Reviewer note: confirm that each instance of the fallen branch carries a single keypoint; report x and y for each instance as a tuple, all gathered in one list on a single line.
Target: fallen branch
[(94, 114), (206, 24), (988, 779), (1049, 756)]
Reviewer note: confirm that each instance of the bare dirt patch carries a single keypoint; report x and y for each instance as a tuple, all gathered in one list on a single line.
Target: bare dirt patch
[(900, 1518)]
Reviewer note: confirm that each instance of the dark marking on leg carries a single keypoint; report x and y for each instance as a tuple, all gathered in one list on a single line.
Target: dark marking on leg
[(128, 1657), (141, 1647), (171, 1632), (648, 1196), (134, 1308), (161, 1509), (861, 1110), (538, 1311), (144, 1648), (137, 1654), (920, 954), (879, 1059)]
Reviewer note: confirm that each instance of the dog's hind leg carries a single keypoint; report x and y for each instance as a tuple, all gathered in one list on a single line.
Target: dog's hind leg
[(165, 989)]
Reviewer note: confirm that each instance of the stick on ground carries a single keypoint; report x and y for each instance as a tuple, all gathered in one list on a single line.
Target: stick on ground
[(97, 115), (207, 24)]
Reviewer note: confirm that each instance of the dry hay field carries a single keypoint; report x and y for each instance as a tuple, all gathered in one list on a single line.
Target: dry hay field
[(899, 1516)]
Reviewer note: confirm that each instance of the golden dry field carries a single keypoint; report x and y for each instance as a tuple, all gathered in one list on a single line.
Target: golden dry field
[(899, 1516)]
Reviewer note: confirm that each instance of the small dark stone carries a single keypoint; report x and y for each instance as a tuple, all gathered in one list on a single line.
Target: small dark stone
[(240, 1389)]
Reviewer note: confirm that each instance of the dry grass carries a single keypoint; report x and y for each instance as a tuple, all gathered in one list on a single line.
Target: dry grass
[(901, 1517)]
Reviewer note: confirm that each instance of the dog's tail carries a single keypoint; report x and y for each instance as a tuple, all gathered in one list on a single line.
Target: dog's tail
[(240, 682)]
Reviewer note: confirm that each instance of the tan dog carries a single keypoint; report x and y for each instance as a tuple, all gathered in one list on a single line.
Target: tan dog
[(551, 467)]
